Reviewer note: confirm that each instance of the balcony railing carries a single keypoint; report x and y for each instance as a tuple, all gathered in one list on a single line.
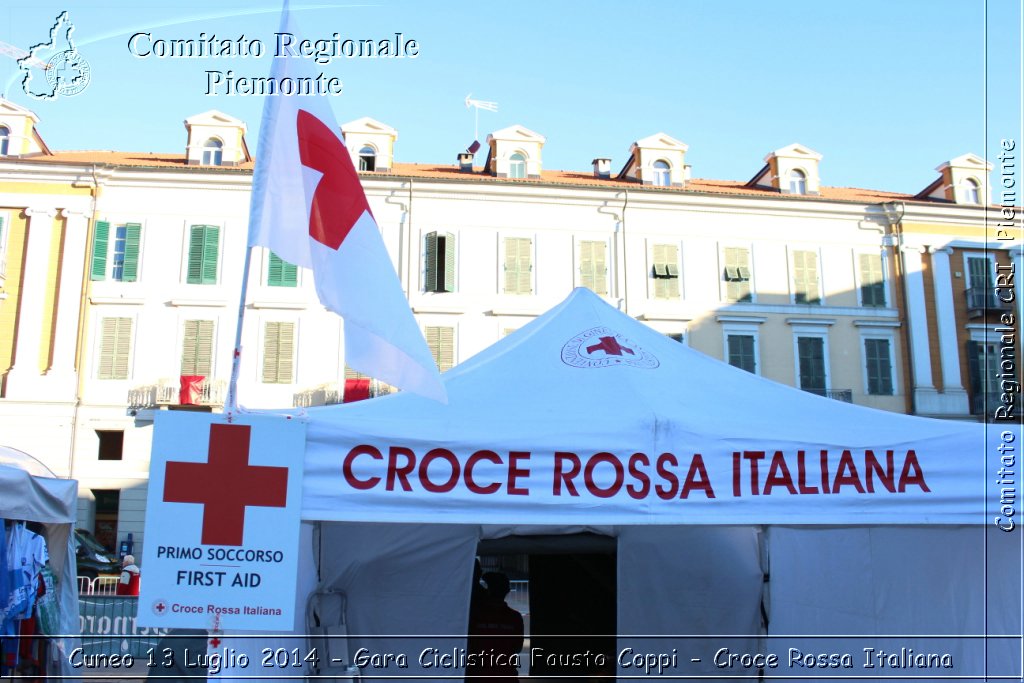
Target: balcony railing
[(986, 403), (167, 392), (332, 393), (324, 395), (844, 395), (980, 299)]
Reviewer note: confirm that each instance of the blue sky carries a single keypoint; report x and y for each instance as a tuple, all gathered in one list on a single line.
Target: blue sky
[(884, 91)]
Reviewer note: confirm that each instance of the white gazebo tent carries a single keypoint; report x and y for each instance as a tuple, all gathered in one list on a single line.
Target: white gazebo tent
[(29, 491), (744, 513)]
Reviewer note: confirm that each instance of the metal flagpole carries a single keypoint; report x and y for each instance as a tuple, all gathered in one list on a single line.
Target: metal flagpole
[(232, 400)]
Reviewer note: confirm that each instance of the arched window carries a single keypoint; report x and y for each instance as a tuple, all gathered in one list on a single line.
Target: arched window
[(5, 140), (367, 159), (797, 182), (517, 166), (971, 191), (662, 173), (213, 152)]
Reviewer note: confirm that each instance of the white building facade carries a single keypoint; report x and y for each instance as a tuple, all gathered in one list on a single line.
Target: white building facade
[(789, 279)]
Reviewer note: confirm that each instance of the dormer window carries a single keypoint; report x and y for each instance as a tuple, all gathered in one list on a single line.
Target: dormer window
[(662, 174), (367, 159), (213, 152), (971, 191), (5, 140), (797, 182), (517, 166)]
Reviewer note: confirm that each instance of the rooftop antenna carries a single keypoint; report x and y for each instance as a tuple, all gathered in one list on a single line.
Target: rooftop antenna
[(478, 105)]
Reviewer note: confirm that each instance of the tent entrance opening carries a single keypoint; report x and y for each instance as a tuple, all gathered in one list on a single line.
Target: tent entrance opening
[(565, 587)]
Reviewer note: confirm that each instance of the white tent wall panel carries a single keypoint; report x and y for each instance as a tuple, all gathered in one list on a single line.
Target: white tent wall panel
[(689, 581), (897, 581)]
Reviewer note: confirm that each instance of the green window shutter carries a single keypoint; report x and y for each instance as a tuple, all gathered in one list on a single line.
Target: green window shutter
[(441, 341), (811, 351), (872, 281), (979, 272), (133, 237), (518, 265), (211, 244), (430, 262), (197, 348), (879, 367), (195, 254), (449, 262), (741, 351), (115, 347), (280, 273), (278, 352), (805, 277), (100, 242), (737, 274), (275, 266)]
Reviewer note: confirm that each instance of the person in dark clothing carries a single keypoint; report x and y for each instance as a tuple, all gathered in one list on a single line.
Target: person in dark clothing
[(495, 634)]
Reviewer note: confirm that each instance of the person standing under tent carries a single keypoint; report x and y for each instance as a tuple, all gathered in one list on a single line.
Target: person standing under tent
[(495, 629)]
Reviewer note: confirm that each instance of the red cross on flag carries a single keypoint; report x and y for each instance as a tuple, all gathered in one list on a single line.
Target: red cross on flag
[(308, 206)]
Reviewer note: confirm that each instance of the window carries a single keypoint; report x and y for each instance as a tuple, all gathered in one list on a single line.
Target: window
[(115, 346), (203, 244), (979, 272), (797, 182), (280, 273), (111, 446), (878, 359), (441, 341), (665, 271), (5, 140), (971, 191), (367, 159), (662, 174), (811, 364), (677, 337), (741, 351), (983, 368), (213, 152), (593, 268), (872, 280), (118, 260), (518, 265), (517, 166), (737, 274), (805, 278), (439, 262), (278, 353), (197, 348)]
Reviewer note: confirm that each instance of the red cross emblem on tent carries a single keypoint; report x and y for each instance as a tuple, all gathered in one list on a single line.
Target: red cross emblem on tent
[(226, 484), (611, 347)]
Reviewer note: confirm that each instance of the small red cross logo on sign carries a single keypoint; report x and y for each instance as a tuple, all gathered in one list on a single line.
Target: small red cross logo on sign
[(611, 347), (160, 607), (226, 484)]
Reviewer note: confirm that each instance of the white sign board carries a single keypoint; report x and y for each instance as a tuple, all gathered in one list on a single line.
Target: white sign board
[(222, 522)]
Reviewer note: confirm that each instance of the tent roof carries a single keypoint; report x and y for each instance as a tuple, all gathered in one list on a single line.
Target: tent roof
[(585, 378), (29, 490)]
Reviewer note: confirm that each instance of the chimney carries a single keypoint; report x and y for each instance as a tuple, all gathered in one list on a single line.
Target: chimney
[(602, 168), (466, 162)]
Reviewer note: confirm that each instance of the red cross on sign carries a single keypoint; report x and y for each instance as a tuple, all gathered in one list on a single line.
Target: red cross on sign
[(226, 484), (611, 346)]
